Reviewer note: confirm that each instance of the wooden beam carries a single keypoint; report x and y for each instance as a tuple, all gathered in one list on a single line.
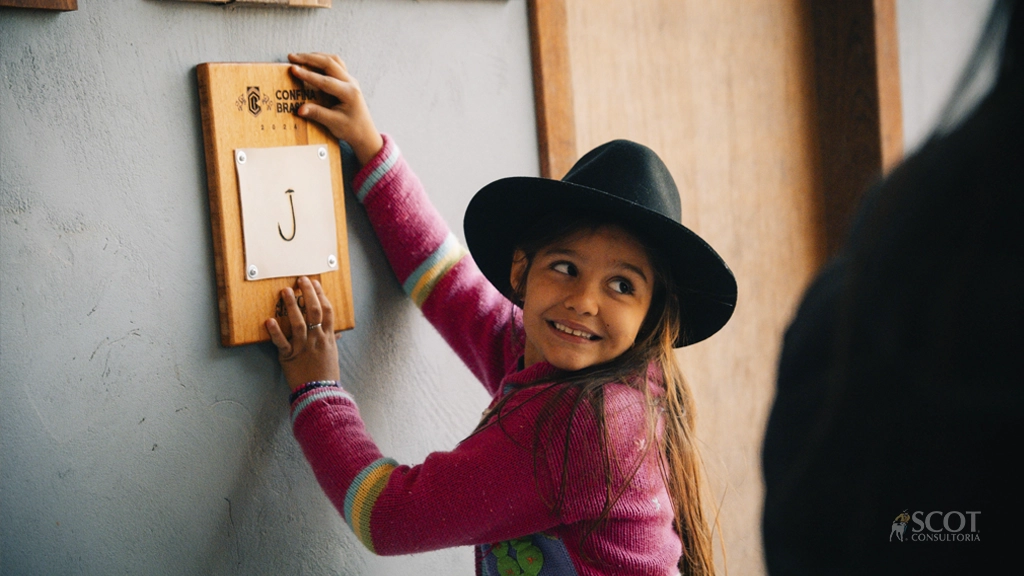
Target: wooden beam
[(552, 87), (890, 106), (860, 129)]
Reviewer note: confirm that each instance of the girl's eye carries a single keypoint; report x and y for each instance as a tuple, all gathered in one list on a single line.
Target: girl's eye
[(564, 268), (621, 286)]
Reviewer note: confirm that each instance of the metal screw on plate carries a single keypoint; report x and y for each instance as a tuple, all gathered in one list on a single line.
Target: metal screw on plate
[(252, 271), (240, 157), (322, 153), (332, 261)]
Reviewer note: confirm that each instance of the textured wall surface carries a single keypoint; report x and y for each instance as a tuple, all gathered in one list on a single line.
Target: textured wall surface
[(130, 441), (936, 39)]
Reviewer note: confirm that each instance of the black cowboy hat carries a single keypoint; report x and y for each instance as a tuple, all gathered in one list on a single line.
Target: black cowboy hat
[(628, 182)]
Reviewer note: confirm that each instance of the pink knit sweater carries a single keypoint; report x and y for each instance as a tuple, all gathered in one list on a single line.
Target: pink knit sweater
[(489, 491)]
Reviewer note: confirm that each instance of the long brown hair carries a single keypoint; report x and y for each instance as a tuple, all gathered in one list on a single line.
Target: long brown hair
[(583, 390)]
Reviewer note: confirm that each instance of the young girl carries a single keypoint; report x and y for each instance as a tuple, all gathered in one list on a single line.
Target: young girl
[(585, 462)]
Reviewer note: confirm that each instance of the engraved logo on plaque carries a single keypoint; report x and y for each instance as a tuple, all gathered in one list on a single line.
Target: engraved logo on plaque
[(252, 97), (253, 101)]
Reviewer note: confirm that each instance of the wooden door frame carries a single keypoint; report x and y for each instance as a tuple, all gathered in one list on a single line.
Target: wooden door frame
[(857, 82), (552, 87)]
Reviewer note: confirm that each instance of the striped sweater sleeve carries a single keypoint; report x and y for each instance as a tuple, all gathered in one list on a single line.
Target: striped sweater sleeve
[(435, 270), (483, 491)]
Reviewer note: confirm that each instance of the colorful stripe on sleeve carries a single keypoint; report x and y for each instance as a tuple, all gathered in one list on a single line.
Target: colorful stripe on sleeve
[(318, 394), (362, 495), (377, 173), (425, 277)]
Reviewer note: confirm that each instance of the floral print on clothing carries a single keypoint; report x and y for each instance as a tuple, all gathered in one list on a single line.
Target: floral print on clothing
[(534, 555)]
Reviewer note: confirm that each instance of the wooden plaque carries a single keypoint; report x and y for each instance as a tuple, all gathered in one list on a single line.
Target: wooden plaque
[(288, 3), (62, 5), (253, 106)]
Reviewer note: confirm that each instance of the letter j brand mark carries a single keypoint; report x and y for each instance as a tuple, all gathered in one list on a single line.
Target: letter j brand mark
[(291, 203)]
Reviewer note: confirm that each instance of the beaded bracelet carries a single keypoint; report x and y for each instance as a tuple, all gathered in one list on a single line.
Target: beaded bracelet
[(311, 386)]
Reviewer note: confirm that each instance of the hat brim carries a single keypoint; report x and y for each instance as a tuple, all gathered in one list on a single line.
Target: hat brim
[(503, 209)]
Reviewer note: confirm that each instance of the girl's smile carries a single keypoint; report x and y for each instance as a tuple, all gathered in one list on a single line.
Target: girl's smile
[(585, 299)]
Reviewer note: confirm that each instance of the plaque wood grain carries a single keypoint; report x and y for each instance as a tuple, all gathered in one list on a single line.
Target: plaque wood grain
[(288, 3), (62, 5), (245, 105)]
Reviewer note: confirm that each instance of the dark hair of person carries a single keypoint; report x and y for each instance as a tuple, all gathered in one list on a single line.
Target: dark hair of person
[(899, 384), (583, 390)]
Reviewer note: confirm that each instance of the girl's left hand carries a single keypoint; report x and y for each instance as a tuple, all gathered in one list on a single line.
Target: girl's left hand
[(349, 119), (311, 354)]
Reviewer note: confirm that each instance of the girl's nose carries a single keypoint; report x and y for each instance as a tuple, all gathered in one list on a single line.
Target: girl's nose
[(583, 299)]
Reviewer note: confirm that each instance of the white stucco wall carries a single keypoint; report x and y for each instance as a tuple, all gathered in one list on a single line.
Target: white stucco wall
[(131, 442), (936, 39)]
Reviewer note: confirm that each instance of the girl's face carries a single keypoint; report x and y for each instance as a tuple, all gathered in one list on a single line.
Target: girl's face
[(586, 297)]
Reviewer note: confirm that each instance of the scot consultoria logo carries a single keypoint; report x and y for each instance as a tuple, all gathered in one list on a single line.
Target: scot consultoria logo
[(937, 526), (899, 526)]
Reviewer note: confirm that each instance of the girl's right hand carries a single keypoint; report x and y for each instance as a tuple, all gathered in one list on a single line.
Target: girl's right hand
[(349, 119)]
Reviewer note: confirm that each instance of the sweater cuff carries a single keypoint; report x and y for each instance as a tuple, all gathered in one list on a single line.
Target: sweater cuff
[(311, 392), (378, 170)]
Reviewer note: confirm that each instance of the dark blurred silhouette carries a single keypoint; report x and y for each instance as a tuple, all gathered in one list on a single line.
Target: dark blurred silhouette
[(900, 386)]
